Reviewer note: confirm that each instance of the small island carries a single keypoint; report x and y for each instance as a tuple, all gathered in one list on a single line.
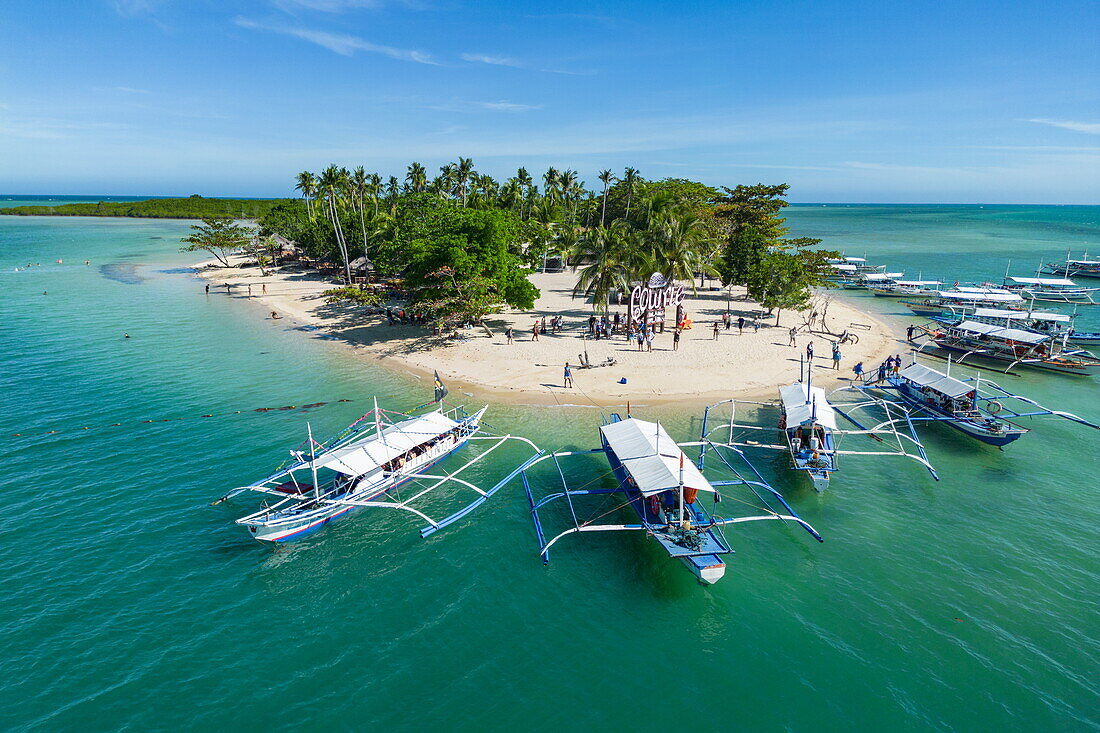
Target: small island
[(649, 290)]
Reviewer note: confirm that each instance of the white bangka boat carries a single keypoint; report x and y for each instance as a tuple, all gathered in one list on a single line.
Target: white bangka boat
[(908, 289), (809, 425), (364, 467), (1074, 268), (1050, 290), (975, 342)]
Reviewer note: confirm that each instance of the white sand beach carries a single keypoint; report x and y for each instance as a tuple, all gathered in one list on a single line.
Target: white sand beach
[(702, 370)]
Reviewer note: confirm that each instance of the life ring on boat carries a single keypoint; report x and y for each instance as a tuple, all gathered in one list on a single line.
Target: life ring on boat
[(995, 407)]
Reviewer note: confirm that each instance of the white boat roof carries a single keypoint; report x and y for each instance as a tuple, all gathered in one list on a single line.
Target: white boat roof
[(855, 259), (1022, 315), (924, 376), (843, 268), (1051, 281), (973, 289), (651, 457), (365, 455), (880, 276), (919, 283), (797, 410), (999, 297), (1083, 262), (1010, 334)]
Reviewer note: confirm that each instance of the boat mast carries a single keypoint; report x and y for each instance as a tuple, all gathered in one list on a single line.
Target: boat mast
[(313, 463)]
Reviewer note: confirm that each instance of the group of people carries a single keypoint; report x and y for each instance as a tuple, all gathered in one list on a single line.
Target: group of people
[(399, 462)]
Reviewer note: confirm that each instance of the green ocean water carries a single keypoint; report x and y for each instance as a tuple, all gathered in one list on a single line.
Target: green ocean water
[(126, 601)]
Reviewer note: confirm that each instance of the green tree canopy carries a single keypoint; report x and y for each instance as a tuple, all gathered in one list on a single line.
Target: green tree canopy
[(217, 236)]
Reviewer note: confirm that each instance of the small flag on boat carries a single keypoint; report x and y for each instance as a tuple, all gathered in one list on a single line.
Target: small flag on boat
[(440, 388)]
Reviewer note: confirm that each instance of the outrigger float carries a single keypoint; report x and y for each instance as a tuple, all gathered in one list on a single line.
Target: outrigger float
[(979, 408), (665, 490), (365, 465), (808, 426)]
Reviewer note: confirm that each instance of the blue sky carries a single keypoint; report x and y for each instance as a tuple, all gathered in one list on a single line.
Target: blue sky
[(846, 101)]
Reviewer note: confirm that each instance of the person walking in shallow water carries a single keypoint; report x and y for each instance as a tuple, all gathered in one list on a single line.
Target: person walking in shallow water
[(208, 288)]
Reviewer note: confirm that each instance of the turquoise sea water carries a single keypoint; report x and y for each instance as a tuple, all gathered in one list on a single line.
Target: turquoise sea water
[(127, 602)]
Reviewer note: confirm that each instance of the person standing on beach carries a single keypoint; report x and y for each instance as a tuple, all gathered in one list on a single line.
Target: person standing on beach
[(568, 376), (755, 324), (508, 334), (858, 369), (793, 333), (641, 339), (882, 370), (676, 340), (897, 363), (836, 356), (263, 288), (649, 340), (909, 333), (535, 332), (740, 325), (250, 290), (810, 351), (715, 337)]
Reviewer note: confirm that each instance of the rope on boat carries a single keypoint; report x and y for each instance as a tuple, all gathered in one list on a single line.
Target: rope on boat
[(284, 408)]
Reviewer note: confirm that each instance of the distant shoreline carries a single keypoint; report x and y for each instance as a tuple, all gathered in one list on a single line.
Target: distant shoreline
[(192, 207)]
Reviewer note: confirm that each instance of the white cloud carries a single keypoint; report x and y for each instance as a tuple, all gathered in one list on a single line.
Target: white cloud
[(480, 58), (1089, 128), (504, 106), (340, 43)]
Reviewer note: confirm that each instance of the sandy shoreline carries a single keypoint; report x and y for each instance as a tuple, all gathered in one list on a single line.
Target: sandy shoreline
[(703, 370)]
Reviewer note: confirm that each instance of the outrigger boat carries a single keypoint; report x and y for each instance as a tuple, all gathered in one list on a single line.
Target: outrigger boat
[(811, 436), (966, 297), (868, 280), (1058, 325), (665, 490), (365, 466), (1075, 268), (907, 289), (1050, 290), (981, 409), (981, 341)]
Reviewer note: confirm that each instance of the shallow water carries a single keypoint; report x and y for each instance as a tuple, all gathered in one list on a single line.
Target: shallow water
[(127, 601)]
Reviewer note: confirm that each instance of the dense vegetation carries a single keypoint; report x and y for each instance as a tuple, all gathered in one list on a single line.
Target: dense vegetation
[(193, 207), (464, 242)]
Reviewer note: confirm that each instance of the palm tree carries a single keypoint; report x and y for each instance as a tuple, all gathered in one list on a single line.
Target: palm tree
[(680, 242), (332, 185), (417, 178), (605, 251), (307, 184), (605, 178), (374, 188), (463, 171), (630, 178), (550, 183), (393, 188), (511, 194), (359, 186)]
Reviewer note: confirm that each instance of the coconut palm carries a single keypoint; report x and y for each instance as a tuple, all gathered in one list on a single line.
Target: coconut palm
[(605, 252), (550, 181), (680, 241), (332, 184), (307, 184), (416, 178), (629, 180), (374, 189), (462, 173), (359, 187), (605, 178)]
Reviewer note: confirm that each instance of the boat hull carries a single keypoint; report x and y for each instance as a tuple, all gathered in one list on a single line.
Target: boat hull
[(1085, 369)]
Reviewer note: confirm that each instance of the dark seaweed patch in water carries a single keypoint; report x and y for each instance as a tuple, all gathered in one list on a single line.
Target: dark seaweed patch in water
[(156, 237), (179, 271), (123, 272)]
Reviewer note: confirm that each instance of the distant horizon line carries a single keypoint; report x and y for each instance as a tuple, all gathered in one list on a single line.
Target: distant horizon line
[(104, 196)]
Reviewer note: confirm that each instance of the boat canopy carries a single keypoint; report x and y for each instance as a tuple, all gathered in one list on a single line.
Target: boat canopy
[(988, 297), (1083, 262), (364, 456), (1021, 315), (651, 457), (1059, 282), (843, 268), (919, 283), (1008, 334), (879, 276), (801, 410), (855, 260), (923, 376), (980, 290)]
